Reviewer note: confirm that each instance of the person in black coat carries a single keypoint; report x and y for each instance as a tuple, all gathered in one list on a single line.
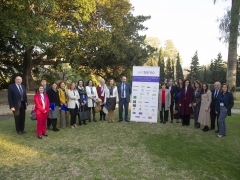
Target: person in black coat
[(44, 84), (213, 115), (179, 86), (54, 106), (17, 99), (83, 98), (224, 104), (173, 90)]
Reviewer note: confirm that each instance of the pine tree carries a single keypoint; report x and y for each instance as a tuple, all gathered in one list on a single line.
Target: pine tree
[(218, 69), (161, 64), (194, 71), (169, 72), (179, 71)]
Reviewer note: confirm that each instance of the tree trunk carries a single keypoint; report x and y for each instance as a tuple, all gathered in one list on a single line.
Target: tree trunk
[(27, 69), (232, 51)]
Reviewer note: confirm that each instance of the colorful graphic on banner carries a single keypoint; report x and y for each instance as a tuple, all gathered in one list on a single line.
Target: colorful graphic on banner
[(145, 87)]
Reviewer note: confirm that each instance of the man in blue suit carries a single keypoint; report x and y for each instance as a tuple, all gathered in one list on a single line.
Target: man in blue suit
[(17, 99), (124, 93)]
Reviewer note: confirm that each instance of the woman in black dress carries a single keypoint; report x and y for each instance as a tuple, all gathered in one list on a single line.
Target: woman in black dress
[(83, 98), (177, 113)]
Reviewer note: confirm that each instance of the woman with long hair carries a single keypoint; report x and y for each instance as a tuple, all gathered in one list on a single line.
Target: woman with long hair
[(41, 109), (196, 102), (185, 102), (177, 113), (111, 99), (83, 98), (204, 113), (73, 104), (224, 105), (92, 96)]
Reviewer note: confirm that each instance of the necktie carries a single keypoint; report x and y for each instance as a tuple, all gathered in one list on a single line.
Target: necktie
[(123, 90), (216, 93), (21, 92), (91, 91)]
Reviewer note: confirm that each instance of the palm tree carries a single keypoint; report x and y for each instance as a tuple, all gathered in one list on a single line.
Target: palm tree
[(232, 46)]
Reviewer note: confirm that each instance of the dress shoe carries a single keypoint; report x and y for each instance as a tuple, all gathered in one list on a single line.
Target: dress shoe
[(85, 123), (127, 120), (75, 125), (171, 121), (39, 137), (211, 128), (104, 118), (100, 119), (45, 134), (112, 121), (219, 135), (205, 130), (217, 131), (89, 121), (56, 129), (72, 127), (20, 133), (120, 120), (164, 122), (24, 132), (161, 121), (177, 121), (95, 120)]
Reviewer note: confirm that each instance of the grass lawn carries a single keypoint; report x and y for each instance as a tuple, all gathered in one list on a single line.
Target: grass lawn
[(123, 150)]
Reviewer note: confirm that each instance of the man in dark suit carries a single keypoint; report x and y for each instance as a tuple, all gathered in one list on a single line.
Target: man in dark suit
[(215, 94), (172, 90), (17, 99), (124, 93), (44, 84)]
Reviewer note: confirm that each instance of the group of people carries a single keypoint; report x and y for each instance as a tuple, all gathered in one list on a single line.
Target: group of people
[(205, 105), (52, 102), (183, 100)]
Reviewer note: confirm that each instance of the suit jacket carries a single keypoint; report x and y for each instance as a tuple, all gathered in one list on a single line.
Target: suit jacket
[(90, 101), (185, 100), (167, 100), (197, 96), (128, 91), (213, 103), (173, 93), (14, 96), (73, 99), (228, 102), (53, 97), (62, 97), (38, 109), (115, 93), (99, 91)]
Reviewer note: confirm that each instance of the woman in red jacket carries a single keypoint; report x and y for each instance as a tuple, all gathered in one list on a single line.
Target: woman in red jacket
[(185, 102), (41, 109), (101, 94)]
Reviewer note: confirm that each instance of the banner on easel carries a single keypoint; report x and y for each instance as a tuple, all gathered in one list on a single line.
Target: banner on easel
[(145, 87)]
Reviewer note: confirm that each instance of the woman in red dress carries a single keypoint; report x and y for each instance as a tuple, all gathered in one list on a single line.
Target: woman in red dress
[(41, 109)]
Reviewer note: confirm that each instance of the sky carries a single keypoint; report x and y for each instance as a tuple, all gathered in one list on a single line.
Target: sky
[(191, 25)]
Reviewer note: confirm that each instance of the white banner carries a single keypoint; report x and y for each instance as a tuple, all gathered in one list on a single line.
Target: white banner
[(145, 87)]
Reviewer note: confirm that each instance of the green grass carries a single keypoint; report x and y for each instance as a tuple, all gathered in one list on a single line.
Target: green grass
[(123, 150)]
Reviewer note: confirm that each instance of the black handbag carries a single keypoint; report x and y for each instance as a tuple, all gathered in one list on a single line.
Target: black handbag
[(33, 115), (83, 113)]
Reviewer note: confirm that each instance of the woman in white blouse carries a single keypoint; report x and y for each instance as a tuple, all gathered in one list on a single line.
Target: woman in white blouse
[(91, 98), (73, 104), (111, 99)]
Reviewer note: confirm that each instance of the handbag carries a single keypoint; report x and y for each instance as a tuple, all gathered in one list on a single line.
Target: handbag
[(83, 113), (98, 107), (33, 115)]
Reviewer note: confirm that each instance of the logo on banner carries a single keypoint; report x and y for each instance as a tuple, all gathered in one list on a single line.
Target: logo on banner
[(140, 113), (136, 86), (146, 102), (135, 89), (149, 117), (148, 87), (134, 97), (137, 116), (134, 101), (134, 105), (133, 112), (146, 72), (139, 101)]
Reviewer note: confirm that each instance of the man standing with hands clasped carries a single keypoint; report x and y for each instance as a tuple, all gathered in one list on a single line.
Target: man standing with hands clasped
[(17, 99), (124, 93)]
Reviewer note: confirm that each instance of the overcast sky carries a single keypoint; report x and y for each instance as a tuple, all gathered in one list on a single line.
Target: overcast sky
[(191, 24)]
